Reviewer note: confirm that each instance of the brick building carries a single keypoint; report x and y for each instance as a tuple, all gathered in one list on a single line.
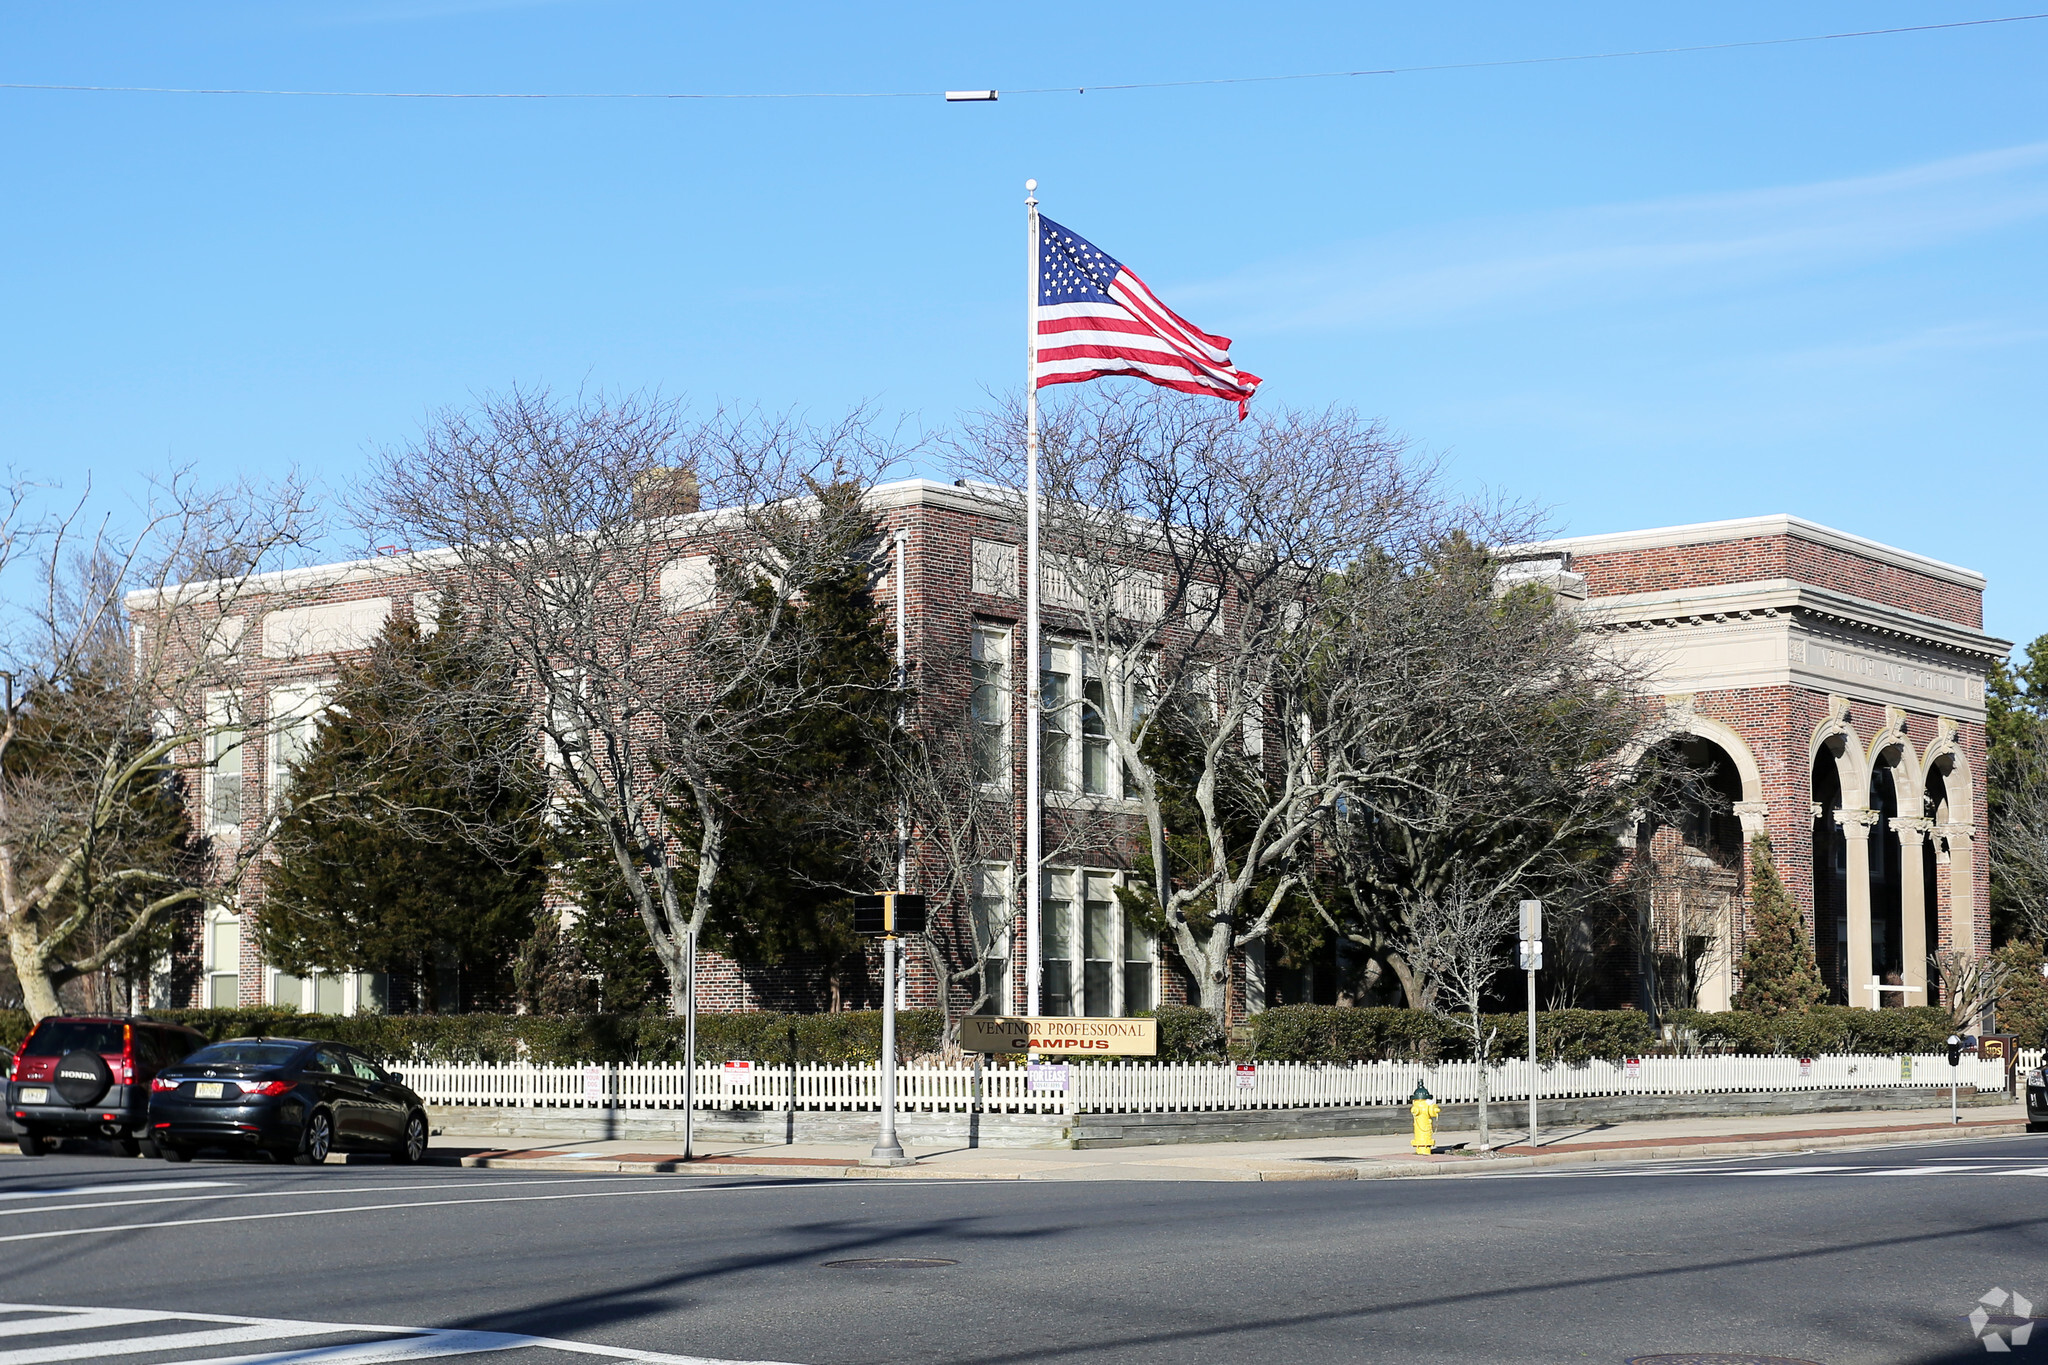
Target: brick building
[(1837, 685)]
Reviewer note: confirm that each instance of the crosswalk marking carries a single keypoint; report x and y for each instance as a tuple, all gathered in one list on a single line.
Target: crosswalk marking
[(394, 1344), (128, 1187)]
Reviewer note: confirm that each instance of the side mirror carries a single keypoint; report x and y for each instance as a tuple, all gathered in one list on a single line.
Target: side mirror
[(396, 1077)]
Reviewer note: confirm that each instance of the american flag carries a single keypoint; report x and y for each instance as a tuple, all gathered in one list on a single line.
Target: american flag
[(1095, 317)]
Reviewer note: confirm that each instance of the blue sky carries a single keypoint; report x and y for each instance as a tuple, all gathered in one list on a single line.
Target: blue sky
[(1804, 278)]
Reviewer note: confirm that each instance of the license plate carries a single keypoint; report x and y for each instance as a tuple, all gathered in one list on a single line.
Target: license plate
[(36, 1096), (207, 1090)]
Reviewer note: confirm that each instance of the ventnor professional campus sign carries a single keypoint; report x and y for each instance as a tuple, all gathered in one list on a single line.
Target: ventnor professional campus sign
[(1097, 1037)]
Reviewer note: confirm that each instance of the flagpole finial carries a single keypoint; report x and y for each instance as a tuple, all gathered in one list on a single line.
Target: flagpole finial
[(1031, 191)]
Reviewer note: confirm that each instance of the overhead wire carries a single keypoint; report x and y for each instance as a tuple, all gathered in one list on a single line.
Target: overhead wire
[(1028, 90)]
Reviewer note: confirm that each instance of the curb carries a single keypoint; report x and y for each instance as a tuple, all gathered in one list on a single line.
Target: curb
[(1363, 1170)]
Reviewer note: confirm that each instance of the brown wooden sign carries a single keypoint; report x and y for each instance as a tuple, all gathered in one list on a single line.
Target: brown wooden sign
[(1083, 1037)]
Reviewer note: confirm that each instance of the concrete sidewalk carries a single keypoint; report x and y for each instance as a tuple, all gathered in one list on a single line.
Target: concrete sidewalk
[(1355, 1158)]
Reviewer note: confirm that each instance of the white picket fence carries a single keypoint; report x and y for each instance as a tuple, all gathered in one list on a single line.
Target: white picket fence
[(1169, 1087)]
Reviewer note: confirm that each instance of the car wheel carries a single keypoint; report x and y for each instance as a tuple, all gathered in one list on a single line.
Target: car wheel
[(126, 1146), (412, 1148), (318, 1139), (31, 1145), (171, 1151), (147, 1147)]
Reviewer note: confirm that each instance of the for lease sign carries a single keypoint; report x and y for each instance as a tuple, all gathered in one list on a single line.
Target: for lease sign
[(1090, 1037)]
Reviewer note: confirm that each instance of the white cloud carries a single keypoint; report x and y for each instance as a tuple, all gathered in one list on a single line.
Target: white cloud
[(1686, 245)]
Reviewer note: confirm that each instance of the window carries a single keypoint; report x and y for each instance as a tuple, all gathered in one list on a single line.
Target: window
[(1099, 928), (1056, 696), (1094, 738), (294, 720), (1117, 966), (222, 753), (990, 667), (223, 953), (1056, 934), (1076, 692), (990, 912)]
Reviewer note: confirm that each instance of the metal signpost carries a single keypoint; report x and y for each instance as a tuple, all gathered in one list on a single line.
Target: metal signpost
[(1955, 1063), (1532, 963), (884, 917)]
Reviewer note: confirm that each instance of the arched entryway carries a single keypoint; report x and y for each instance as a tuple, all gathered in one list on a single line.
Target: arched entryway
[(1689, 870)]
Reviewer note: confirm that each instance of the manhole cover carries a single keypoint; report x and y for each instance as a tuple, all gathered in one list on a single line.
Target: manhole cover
[(888, 1263), (1717, 1360)]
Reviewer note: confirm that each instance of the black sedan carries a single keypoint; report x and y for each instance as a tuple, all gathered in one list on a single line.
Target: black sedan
[(284, 1097)]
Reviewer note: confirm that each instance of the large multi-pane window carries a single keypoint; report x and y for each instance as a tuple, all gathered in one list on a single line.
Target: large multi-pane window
[(990, 910), (1075, 753), (223, 757), (1097, 959), (990, 665), (294, 716)]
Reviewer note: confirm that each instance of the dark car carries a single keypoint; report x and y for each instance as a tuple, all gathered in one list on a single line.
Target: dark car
[(285, 1097), (88, 1076), (7, 1128), (2037, 1100)]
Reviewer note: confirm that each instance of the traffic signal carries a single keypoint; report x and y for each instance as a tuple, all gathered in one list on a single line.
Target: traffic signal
[(892, 912)]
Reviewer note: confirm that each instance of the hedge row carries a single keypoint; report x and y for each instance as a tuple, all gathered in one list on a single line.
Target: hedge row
[(1290, 1033), (567, 1040), (1823, 1029), (1333, 1033)]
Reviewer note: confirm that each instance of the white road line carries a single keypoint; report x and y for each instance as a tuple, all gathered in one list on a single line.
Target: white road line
[(1925, 1170), (172, 1341), (89, 1320), (316, 1191), (375, 1208), (136, 1187), (400, 1343)]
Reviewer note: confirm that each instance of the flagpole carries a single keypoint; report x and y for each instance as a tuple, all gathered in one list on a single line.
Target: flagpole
[(1034, 702)]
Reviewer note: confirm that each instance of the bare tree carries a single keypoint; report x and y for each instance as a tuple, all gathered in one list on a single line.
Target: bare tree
[(1461, 945), (1495, 748), (1220, 581), (953, 783), (2019, 842), (1972, 987), (109, 718), (653, 636)]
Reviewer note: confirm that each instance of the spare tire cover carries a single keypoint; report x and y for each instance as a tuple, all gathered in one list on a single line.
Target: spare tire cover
[(82, 1077)]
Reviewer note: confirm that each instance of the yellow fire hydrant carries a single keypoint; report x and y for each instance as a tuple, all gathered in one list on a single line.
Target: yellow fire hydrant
[(1424, 1107)]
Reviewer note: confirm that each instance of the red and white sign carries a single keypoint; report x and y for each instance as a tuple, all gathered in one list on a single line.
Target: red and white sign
[(1632, 1067), (739, 1071), (1806, 1068), (1247, 1075), (593, 1083)]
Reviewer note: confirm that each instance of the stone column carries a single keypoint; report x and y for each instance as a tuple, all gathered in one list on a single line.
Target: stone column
[(1913, 905), (1856, 825), (1962, 888), (1717, 983)]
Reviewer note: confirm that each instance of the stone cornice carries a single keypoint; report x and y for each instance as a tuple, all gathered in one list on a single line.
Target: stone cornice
[(1789, 599)]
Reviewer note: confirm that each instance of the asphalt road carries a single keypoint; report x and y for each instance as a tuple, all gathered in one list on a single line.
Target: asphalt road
[(1835, 1257)]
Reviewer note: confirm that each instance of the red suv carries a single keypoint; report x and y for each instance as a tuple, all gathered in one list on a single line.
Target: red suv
[(88, 1076)]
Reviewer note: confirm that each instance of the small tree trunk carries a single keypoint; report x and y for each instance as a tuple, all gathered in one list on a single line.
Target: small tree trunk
[(1481, 1049)]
